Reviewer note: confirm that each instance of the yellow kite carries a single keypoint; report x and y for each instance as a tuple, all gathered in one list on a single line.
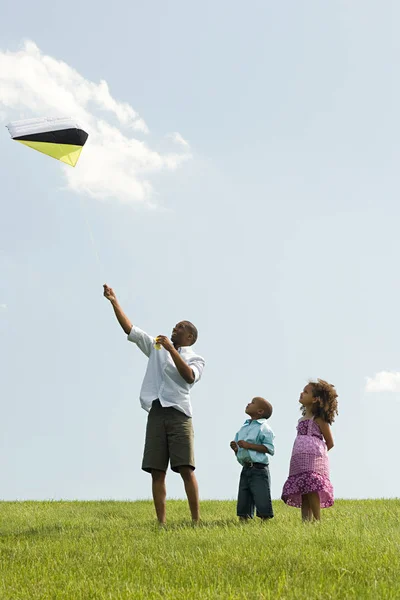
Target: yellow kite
[(60, 138)]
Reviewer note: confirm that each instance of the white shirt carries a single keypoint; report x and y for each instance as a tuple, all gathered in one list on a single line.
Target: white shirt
[(162, 380)]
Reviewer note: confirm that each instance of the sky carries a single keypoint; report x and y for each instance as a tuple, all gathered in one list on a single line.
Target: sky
[(241, 172)]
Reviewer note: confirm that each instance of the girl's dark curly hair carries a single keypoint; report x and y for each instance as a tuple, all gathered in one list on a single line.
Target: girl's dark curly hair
[(326, 406)]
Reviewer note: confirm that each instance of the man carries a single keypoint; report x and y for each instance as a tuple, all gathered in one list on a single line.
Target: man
[(172, 370)]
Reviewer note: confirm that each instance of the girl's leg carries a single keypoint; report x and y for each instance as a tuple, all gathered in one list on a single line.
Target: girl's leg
[(306, 513), (315, 505)]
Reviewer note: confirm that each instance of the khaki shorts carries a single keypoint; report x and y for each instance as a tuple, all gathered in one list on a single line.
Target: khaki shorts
[(169, 438)]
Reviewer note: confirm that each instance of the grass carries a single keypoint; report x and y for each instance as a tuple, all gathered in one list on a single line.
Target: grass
[(114, 550)]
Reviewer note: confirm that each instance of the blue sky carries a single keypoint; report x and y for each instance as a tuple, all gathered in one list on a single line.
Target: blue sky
[(270, 221)]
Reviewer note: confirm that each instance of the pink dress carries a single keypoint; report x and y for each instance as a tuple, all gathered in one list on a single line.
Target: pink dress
[(309, 467)]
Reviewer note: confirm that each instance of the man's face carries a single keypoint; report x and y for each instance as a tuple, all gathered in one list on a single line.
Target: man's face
[(181, 336)]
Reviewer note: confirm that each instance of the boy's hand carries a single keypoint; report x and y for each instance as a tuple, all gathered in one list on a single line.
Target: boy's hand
[(243, 444), (234, 446)]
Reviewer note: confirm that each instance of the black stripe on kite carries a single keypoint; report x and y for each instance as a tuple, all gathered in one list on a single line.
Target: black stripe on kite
[(73, 136)]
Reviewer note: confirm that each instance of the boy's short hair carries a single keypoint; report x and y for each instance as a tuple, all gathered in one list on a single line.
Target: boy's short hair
[(267, 410), (265, 406)]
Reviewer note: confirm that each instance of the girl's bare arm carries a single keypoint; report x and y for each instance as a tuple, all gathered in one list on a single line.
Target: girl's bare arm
[(326, 432)]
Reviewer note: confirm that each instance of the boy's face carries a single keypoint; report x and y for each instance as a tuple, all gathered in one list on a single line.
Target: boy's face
[(254, 409)]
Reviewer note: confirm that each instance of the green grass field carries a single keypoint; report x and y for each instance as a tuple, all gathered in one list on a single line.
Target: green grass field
[(113, 550)]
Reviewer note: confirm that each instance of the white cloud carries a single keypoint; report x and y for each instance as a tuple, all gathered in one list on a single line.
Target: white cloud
[(3, 306), (113, 164), (384, 381)]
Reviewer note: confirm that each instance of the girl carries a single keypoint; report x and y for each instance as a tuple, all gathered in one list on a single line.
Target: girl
[(308, 485)]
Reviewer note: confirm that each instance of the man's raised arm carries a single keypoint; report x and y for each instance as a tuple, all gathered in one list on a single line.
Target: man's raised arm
[(119, 313)]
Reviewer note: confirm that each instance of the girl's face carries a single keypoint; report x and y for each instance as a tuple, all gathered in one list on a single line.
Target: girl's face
[(306, 396)]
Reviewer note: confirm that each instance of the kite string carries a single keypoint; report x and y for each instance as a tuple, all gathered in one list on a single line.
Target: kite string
[(91, 237)]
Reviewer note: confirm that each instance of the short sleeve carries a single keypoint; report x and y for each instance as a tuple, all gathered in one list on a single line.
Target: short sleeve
[(266, 438), (143, 340)]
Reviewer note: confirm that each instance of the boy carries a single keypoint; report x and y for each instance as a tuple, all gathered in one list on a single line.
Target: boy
[(252, 444)]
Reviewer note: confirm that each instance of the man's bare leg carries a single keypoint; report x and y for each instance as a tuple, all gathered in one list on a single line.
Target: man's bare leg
[(159, 494), (192, 491)]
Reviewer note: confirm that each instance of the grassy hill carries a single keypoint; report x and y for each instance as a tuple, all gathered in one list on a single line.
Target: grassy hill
[(114, 550)]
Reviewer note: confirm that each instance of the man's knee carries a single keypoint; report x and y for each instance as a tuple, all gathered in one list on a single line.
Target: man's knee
[(158, 476), (187, 473)]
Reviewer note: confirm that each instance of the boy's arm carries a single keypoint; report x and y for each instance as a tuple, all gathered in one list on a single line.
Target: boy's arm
[(267, 439), (234, 444), (254, 447), (265, 436)]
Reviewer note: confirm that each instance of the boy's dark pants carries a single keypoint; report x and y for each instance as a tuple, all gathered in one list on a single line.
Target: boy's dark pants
[(255, 492)]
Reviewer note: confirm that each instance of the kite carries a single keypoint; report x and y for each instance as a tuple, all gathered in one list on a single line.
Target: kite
[(60, 138)]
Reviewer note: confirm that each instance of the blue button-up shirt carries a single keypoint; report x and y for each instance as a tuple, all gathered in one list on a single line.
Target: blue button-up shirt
[(255, 431)]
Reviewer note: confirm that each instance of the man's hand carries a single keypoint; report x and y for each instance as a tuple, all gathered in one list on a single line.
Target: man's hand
[(109, 293), (165, 342), (234, 446), (243, 444)]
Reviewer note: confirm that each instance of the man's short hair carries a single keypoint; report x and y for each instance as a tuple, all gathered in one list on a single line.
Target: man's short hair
[(192, 329)]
